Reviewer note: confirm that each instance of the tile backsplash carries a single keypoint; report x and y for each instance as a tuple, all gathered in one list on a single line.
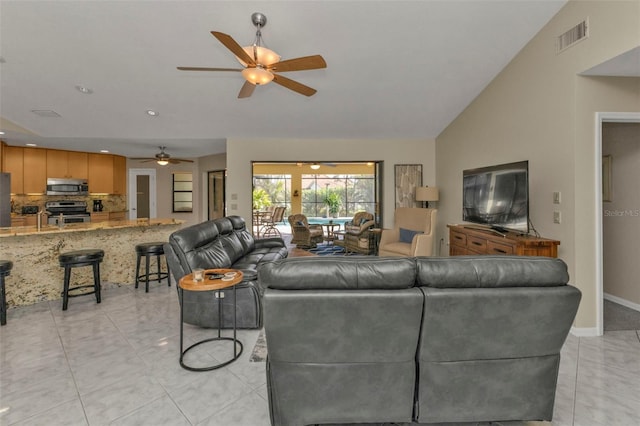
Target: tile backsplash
[(111, 203)]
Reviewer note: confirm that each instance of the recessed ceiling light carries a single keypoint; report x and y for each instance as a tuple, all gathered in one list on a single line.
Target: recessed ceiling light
[(153, 113), (31, 144), (84, 90), (104, 151), (1, 132), (45, 113)]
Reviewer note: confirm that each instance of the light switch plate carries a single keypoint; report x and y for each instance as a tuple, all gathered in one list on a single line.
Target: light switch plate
[(556, 217), (556, 197)]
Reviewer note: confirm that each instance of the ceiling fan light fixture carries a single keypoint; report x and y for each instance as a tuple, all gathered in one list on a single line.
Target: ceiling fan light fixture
[(163, 162), (257, 75), (315, 166), (263, 55)]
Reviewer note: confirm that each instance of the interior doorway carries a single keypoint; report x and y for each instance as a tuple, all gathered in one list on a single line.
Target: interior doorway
[(142, 193), (601, 118), (216, 207)]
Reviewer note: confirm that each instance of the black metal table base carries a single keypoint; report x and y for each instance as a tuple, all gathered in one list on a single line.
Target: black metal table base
[(213, 367), (234, 339)]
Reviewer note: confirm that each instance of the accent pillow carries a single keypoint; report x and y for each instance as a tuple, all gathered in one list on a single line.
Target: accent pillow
[(301, 223), (363, 220), (406, 235)]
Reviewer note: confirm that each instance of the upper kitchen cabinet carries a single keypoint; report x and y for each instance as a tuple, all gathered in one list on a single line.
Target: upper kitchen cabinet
[(119, 175), (67, 164), (13, 162), (107, 174), (35, 171)]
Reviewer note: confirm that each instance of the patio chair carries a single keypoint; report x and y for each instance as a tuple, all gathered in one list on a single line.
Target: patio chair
[(304, 235), (269, 225)]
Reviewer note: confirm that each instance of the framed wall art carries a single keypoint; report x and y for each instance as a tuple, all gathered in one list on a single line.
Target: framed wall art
[(407, 178)]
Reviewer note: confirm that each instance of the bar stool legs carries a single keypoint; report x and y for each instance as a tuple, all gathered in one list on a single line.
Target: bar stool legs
[(5, 269), (147, 250), (73, 259)]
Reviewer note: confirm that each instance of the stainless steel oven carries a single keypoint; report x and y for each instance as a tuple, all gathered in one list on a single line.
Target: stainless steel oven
[(57, 186), (67, 211)]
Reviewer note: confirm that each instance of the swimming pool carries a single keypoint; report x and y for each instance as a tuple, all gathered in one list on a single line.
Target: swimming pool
[(325, 220)]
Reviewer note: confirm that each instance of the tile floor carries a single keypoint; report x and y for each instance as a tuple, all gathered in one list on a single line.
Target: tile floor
[(117, 363)]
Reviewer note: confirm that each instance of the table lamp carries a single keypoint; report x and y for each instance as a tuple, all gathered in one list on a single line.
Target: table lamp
[(426, 194)]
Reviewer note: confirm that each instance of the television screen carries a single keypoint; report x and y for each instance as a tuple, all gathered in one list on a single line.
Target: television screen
[(497, 196)]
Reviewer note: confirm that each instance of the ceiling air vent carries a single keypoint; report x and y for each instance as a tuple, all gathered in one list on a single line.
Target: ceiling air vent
[(45, 113), (574, 35)]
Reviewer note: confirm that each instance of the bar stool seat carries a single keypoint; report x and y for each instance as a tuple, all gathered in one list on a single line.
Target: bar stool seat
[(5, 269), (78, 258), (147, 250)]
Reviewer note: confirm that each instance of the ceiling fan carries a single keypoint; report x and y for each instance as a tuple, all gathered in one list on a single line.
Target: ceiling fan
[(162, 158), (262, 65)]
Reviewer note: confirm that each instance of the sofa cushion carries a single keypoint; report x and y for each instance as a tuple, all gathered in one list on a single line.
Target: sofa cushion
[(492, 271), (337, 273), (406, 235), (402, 249)]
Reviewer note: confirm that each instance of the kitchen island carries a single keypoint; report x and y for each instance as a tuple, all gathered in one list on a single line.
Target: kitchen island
[(37, 276)]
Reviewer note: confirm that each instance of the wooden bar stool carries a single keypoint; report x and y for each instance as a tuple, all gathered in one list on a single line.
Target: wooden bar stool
[(77, 258), (5, 269), (147, 250)]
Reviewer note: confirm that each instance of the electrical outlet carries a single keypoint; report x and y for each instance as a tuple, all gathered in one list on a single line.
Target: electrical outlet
[(556, 197), (556, 217), (234, 207)]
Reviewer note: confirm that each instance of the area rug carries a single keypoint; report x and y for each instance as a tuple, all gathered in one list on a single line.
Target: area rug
[(327, 250), (259, 353)]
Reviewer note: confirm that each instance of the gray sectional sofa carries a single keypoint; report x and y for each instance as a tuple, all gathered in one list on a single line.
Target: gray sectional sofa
[(428, 340), (222, 243)]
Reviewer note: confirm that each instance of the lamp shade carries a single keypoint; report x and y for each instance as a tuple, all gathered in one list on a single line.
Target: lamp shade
[(257, 75), (427, 193)]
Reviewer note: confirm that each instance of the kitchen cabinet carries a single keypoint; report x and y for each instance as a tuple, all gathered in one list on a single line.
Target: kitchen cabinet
[(99, 217), (67, 164), (13, 162), (119, 175), (100, 173), (18, 221), (107, 174), (35, 171), (117, 215)]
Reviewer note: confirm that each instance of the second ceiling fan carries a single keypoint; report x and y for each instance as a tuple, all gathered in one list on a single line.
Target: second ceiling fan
[(262, 65)]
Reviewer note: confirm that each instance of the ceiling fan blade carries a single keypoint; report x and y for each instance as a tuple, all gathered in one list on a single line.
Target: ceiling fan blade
[(299, 64), (246, 90), (293, 85), (207, 69), (179, 160), (234, 47)]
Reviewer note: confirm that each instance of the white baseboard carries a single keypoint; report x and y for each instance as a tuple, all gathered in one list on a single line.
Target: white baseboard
[(584, 331), (621, 301)]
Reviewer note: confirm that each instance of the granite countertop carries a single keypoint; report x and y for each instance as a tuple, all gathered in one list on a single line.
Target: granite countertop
[(84, 227)]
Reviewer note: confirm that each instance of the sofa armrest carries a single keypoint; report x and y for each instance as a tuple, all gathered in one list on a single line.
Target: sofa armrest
[(269, 242), (422, 245), (389, 236)]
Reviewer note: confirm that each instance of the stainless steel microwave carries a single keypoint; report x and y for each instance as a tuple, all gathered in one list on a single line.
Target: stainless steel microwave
[(56, 186)]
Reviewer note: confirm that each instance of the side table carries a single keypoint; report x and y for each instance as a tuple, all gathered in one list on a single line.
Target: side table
[(187, 283), (377, 233)]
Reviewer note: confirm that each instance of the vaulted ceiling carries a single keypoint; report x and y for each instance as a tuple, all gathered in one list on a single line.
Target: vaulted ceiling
[(395, 69)]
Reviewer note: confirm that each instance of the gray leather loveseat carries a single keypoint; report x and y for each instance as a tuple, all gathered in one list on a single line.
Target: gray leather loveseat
[(428, 340), (222, 243)]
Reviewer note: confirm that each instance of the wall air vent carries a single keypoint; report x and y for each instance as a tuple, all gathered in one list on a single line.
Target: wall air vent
[(574, 35)]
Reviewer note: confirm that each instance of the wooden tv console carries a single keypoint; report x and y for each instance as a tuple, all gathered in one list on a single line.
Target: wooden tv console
[(474, 240)]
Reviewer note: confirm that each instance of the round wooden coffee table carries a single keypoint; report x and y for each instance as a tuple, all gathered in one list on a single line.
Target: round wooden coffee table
[(187, 283)]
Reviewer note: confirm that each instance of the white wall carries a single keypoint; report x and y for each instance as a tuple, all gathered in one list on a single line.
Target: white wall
[(621, 216), (539, 109), (241, 152)]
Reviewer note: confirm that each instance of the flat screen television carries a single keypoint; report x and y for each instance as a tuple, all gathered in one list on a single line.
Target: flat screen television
[(497, 196)]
